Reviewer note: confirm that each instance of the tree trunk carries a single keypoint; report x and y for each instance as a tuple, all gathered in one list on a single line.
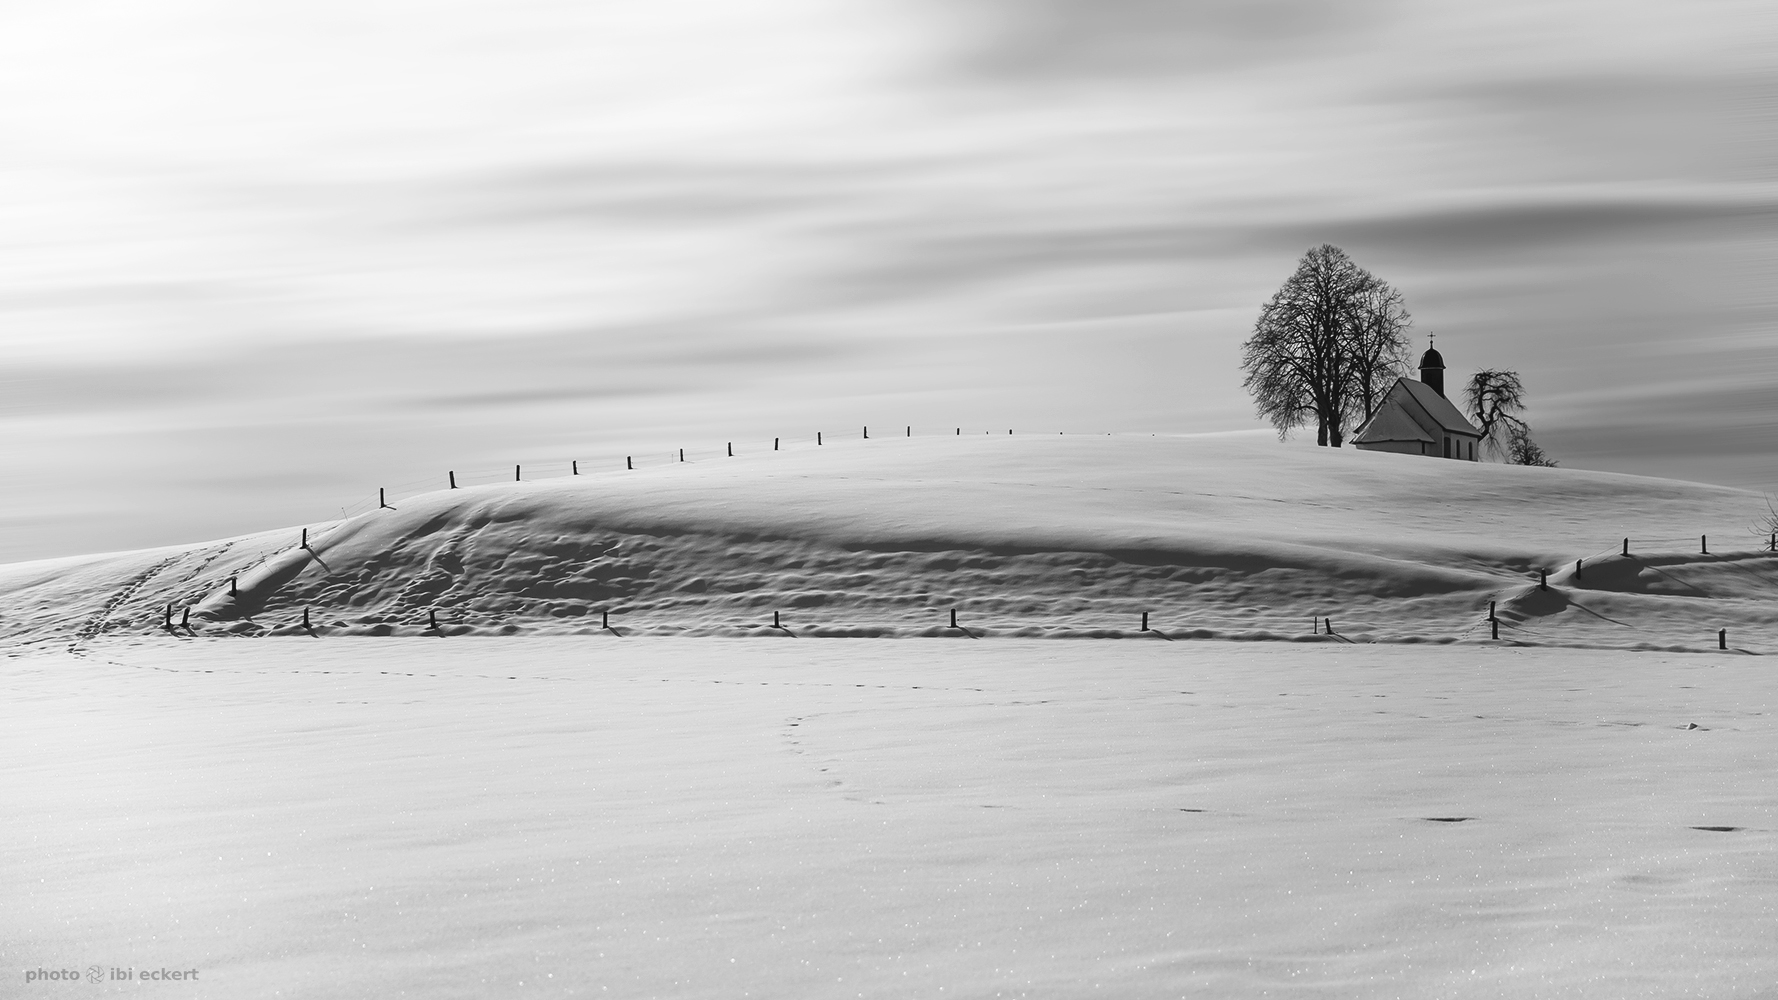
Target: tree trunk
[(1321, 430)]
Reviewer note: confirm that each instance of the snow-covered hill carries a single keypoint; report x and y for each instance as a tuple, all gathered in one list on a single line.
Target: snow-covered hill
[(1220, 535)]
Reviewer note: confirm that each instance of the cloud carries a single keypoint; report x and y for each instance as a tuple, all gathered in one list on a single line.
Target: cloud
[(1028, 41)]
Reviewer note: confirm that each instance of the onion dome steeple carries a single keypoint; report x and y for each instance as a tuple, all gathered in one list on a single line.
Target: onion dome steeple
[(1432, 368)]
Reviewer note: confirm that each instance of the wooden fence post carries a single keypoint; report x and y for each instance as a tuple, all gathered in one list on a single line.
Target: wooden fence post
[(1543, 579), (1144, 621), (1704, 545), (731, 449), (1722, 638), (629, 463), (953, 617), (515, 475), (1626, 546), (574, 467), (774, 444), (234, 586), (453, 476)]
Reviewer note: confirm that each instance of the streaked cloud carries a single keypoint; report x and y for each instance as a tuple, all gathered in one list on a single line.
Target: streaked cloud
[(293, 250)]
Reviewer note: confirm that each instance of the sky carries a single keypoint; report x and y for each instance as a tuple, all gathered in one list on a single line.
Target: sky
[(258, 260)]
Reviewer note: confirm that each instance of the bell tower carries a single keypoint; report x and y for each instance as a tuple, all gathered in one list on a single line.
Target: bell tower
[(1432, 368)]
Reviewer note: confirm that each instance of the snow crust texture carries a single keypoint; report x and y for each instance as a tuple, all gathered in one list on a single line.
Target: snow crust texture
[(1232, 536)]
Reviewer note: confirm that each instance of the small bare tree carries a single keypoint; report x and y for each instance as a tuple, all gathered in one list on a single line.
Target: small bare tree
[(1496, 398), (1524, 451), (1767, 524)]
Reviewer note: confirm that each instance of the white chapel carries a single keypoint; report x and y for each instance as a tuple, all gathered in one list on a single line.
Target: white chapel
[(1415, 418)]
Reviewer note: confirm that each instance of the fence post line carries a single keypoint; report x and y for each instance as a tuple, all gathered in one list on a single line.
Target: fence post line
[(515, 475), (604, 619), (234, 586), (1704, 545), (775, 620), (306, 617), (1491, 611), (574, 466), (628, 464), (953, 617), (1543, 579), (382, 500), (910, 430), (1626, 546), (731, 449), (1577, 563), (682, 454), (817, 437), (867, 433), (1495, 622), (185, 619), (432, 619), (1144, 621), (167, 617), (1329, 626), (1722, 639), (453, 476), (774, 444), (305, 538)]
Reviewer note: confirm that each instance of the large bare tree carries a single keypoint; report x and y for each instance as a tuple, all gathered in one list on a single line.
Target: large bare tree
[(1327, 346)]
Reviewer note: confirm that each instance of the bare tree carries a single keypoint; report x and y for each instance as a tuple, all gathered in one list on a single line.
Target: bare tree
[(1496, 399), (1767, 524), (1326, 345), (1278, 383), (1524, 451), (1379, 343)]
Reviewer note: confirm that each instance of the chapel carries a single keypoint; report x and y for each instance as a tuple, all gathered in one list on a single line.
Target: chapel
[(1415, 418)]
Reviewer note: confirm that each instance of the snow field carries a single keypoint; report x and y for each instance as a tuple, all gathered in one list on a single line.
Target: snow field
[(723, 818)]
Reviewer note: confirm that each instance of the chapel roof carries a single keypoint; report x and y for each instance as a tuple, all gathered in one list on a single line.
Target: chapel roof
[(1398, 419)]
